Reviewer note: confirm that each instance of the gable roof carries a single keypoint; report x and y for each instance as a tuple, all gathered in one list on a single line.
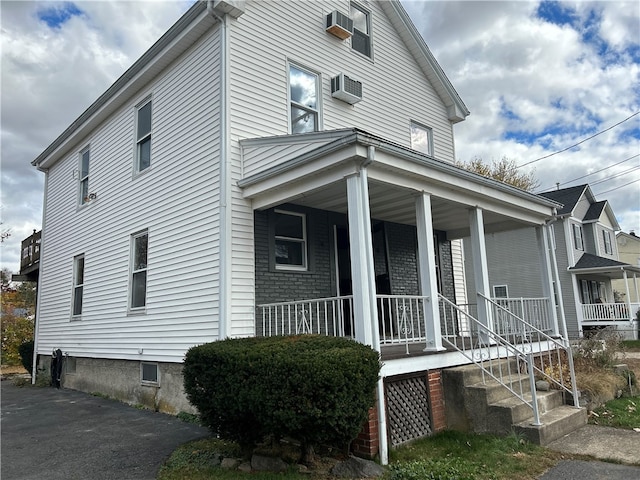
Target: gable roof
[(191, 26), (595, 211), (568, 197)]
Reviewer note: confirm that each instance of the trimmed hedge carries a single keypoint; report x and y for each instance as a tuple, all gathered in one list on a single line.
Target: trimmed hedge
[(311, 388)]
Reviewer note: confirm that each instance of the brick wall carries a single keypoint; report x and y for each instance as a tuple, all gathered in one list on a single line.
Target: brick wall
[(436, 400), (367, 443)]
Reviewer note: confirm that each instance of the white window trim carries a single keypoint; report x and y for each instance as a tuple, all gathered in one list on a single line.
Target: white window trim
[(506, 289), (429, 132), (150, 382), (318, 111), (369, 15), (137, 310), (577, 234), (75, 286), (608, 245), (82, 201), (137, 140), (304, 241)]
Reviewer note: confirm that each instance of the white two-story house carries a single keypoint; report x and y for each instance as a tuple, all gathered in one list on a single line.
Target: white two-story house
[(270, 168)]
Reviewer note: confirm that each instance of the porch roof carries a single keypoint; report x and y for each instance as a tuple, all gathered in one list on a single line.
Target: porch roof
[(595, 265), (310, 169)]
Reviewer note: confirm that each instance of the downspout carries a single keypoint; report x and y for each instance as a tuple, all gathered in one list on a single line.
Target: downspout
[(34, 364), (375, 334), (224, 308)]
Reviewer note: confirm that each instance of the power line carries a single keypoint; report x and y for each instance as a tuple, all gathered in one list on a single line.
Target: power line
[(593, 173), (614, 176), (580, 142), (617, 188)]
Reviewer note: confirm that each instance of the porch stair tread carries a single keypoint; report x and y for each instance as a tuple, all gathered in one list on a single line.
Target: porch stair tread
[(514, 410), (556, 423)]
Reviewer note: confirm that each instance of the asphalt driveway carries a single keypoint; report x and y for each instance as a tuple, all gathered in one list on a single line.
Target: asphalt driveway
[(63, 434)]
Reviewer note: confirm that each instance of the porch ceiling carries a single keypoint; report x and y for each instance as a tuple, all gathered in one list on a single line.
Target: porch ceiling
[(396, 177)]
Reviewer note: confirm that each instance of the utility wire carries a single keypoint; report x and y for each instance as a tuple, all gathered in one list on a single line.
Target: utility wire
[(614, 176), (580, 142), (616, 188), (593, 173)]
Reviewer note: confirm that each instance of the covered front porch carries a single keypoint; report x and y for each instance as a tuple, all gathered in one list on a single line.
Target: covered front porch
[(598, 305), (357, 236)]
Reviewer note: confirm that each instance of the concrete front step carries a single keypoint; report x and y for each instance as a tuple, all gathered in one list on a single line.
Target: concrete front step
[(492, 391), (555, 424), (502, 415), (472, 374)]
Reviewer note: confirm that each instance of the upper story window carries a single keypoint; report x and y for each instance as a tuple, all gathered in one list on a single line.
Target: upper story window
[(290, 240), (304, 88), (421, 138), (361, 39), (143, 136), (84, 176), (139, 244), (78, 285), (577, 237), (606, 237)]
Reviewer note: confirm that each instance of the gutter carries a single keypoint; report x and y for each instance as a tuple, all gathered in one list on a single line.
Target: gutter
[(224, 300), (34, 368)]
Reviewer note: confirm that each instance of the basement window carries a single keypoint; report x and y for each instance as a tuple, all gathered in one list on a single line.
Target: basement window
[(149, 374)]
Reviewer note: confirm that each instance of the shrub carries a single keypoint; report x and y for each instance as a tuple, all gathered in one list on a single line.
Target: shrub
[(26, 355), (14, 331), (314, 389)]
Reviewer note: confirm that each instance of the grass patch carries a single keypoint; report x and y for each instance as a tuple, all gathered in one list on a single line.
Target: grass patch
[(620, 413), (631, 345), (446, 456), (457, 455)]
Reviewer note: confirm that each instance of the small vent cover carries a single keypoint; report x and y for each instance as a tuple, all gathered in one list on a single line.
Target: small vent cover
[(346, 89), (340, 25)]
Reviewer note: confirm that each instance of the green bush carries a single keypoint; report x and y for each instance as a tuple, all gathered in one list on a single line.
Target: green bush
[(14, 331), (26, 355), (314, 389)]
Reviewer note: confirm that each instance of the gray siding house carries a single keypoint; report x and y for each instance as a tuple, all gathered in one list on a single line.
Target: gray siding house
[(587, 262), (265, 170)]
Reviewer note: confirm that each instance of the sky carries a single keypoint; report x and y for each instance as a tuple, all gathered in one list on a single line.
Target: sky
[(552, 86)]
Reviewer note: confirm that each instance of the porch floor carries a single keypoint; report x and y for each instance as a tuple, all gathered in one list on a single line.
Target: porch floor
[(416, 349)]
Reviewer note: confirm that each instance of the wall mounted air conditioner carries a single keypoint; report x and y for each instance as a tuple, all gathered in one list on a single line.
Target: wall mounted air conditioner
[(346, 89), (340, 25)]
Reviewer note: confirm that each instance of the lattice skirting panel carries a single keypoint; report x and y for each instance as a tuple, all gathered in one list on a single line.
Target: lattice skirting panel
[(408, 409)]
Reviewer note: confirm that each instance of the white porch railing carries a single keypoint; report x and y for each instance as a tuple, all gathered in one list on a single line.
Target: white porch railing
[(607, 312)]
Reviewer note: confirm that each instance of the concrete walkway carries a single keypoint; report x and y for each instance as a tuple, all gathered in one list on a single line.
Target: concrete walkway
[(67, 435)]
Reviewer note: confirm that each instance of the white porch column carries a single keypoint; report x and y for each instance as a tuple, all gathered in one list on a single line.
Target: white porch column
[(626, 287), (542, 235), (577, 286), (559, 308), (427, 272), (480, 269), (361, 257), (635, 284)]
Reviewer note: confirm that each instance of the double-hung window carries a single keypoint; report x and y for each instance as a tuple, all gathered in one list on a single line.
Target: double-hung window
[(606, 237), (304, 98), (577, 237), (421, 138), (78, 285), (143, 136), (84, 176), (290, 240), (361, 38), (139, 247)]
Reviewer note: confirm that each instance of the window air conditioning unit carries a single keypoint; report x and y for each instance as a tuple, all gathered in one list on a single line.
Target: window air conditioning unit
[(340, 25), (346, 89)]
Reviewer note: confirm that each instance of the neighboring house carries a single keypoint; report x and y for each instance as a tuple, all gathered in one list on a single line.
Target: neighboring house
[(254, 173), (628, 252), (587, 260)]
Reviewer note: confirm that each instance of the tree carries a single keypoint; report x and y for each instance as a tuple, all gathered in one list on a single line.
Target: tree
[(505, 171)]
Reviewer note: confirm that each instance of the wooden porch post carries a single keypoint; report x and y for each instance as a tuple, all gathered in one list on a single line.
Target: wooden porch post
[(480, 269), (361, 258), (427, 272), (547, 280)]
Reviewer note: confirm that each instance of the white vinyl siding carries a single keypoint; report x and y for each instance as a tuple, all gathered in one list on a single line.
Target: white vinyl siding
[(177, 200)]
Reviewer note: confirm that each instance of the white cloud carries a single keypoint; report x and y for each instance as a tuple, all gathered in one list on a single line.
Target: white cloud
[(522, 77)]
